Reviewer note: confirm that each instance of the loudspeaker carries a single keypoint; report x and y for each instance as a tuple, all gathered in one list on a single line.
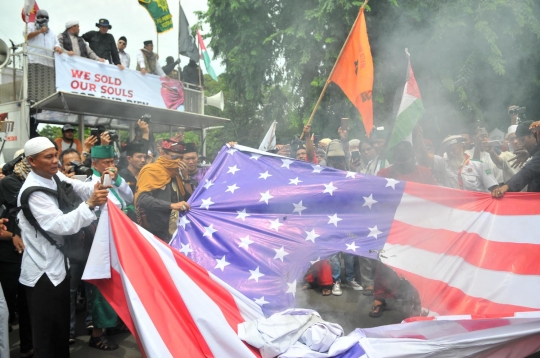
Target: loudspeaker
[(215, 101), (4, 54)]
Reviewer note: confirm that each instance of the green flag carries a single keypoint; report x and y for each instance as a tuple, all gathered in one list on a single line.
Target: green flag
[(159, 10)]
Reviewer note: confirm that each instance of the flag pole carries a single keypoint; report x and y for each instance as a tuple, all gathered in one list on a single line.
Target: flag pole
[(179, 29), (332, 72)]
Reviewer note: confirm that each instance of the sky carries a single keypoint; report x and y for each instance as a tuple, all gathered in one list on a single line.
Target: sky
[(127, 18)]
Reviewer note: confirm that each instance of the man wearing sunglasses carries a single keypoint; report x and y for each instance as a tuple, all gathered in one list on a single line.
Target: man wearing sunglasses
[(125, 59), (40, 35)]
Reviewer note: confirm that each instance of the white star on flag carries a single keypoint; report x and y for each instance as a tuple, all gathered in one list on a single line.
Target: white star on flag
[(245, 242), (351, 175), (255, 274), (275, 224), (295, 181), (260, 301), (317, 168), (374, 231), (352, 246), (184, 221), (255, 156), (311, 235), (318, 259), (206, 203), (186, 249), (369, 201), (298, 208), (264, 175), (334, 219), (280, 254), (392, 183), (221, 263), (231, 151), (329, 188), (265, 196), (209, 230), (233, 170), (286, 163), (242, 215), (292, 288), (232, 188), (208, 184)]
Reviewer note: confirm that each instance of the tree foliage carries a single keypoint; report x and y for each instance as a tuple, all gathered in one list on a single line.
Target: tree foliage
[(472, 59)]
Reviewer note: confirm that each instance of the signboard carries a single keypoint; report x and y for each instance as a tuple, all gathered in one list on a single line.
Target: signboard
[(80, 75)]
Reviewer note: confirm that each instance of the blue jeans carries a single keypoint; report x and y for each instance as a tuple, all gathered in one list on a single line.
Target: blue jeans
[(336, 267)]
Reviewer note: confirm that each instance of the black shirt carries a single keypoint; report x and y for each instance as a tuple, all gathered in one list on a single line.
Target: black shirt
[(157, 208), (103, 45), (129, 178), (528, 175), (9, 190)]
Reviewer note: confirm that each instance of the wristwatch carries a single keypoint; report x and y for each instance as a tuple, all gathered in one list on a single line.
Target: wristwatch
[(85, 154)]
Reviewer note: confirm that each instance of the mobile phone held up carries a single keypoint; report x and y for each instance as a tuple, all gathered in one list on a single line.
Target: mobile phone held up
[(106, 180), (344, 124)]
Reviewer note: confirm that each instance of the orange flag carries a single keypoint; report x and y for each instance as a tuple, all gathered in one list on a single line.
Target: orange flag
[(353, 71)]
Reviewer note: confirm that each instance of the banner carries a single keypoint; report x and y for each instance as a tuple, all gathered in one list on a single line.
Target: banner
[(79, 75), (159, 10)]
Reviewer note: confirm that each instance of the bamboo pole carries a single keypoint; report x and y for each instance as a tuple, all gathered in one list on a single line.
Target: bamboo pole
[(332, 72)]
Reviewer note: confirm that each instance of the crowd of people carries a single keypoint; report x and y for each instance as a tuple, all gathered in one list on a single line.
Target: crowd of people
[(465, 160), (58, 189), (101, 46), (52, 235)]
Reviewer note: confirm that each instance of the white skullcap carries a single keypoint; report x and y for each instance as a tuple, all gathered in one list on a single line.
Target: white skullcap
[(512, 129), (37, 145), (17, 153), (71, 23), (354, 142), (451, 140)]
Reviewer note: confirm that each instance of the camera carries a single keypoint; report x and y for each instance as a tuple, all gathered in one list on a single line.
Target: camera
[(146, 118), (96, 132), (520, 112), (79, 169), (517, 110)]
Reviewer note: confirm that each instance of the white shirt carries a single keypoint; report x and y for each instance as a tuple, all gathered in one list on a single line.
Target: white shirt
[(40, 257), (486, 158), (140, 61), (475, 175), (125, 59), (47, 40), (122, 189)]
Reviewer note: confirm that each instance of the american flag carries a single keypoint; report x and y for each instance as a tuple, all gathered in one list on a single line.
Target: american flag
[(258, 221), (468, 255)]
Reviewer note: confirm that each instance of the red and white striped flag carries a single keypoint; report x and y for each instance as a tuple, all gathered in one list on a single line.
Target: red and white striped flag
[(173, 307), (465, 252)]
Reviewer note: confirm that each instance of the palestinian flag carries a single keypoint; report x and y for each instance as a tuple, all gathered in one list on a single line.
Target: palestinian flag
[(410, 110), (206, 57)]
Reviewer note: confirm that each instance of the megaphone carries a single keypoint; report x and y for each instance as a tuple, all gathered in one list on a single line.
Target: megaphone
[(216, 100), (4, 54)]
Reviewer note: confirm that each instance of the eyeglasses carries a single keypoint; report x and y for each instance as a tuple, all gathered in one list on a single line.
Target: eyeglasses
[(42, 17)]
